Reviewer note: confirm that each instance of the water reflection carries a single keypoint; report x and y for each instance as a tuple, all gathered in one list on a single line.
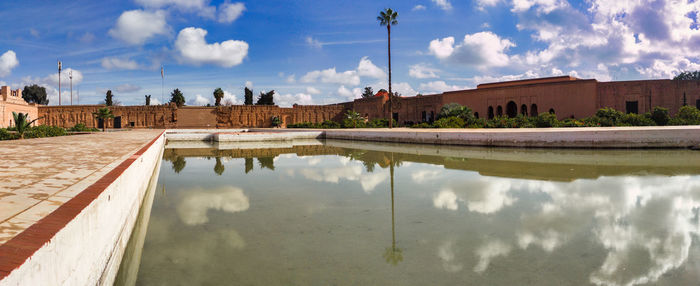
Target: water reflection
[(465, 215)]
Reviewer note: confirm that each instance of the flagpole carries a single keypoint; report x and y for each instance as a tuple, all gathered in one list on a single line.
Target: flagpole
[(162, 86), (59, 82)]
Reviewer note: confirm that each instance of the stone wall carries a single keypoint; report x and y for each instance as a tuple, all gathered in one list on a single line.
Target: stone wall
[(11, 101)]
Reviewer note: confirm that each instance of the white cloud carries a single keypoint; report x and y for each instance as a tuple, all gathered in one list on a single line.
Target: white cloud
[(201, 7), (249, 84), (482, 50), (349, 94), (193, 49), (313, 42), (286, 100), (135, 27), (312, 90), (52, 78), (194, 206), (230, 99), (155, 101), (443, 4), (8, 61), (368, 69), (423, 71), (438, 87), (291, 79), (331, 76), (119, 63), (229, 12), (199, 100), (127, 88), (482, 4), (488, 252), (403, 88), (418, 8)]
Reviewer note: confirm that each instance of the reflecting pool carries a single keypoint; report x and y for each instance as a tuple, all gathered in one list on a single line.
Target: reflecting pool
[(347, 213)]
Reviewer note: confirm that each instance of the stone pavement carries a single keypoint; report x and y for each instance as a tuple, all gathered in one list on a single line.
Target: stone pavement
[(39, 175)]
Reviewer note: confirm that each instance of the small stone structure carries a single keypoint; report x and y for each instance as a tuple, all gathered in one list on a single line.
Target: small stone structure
[(11, 101)]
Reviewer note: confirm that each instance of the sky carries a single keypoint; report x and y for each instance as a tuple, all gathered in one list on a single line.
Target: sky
[(321, 52)]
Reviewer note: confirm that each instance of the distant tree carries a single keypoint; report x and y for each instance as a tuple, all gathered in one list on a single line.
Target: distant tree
[(35, 94), (266, 98), (419, 94), (22, 123), (688, 75), (276, 121), (218, 95), (368, 92), (248, 165), (104, 114), (179, 164), (267, 162), (219, 167), (148, 100), (108, 98), (177, 98), (248, 96), (353, 119)]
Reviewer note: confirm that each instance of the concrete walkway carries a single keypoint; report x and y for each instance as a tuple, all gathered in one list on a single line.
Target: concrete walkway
[(39, 175)]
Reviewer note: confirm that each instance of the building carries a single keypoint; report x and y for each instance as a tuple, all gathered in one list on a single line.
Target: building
[(11, 101), (565, 96)]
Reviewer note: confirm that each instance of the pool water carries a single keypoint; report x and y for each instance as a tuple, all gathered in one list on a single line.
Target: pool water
[(345, 213)]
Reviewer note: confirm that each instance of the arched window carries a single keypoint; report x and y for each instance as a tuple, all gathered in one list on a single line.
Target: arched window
[(533, 110), (499, 111), (511, 109), (490, 112), (476, 115), (551, 110), (523, 110)]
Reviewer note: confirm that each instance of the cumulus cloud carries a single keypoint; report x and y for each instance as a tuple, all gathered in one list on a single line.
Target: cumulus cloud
[(229, 12), (127, 88), (199, 100), (312, 90), (488, 252), (50, 82), (135, 27), (443, 4), (368, 69), (313, 42), (418, 8), (193, 207), (52, 78), (119, 63), (332, 76), (438, 87), (422, 71), (482, 50), (289, 99), (200, 7), (249, 84), (8, 61), (230, 99), (193, 49), (349, 94)]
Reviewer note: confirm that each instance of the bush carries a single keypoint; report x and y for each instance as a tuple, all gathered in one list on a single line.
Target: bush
[(502, 122), (422, 125), (302, 125), (571, 122), (546, 119), (450, 122), (477, 123), (379, 123), (687, 115), (80, 127), (609, 116), (5, 135), (456, 110), (329, 125), (44, 131), (633, 119), (660, 116)]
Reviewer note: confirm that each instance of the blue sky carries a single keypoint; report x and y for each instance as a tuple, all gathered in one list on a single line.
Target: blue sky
[(318, 52)]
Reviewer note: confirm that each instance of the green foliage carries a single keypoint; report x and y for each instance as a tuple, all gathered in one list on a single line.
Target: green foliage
[(148, 99), (422, 125), (276, 121), (80, 127), (42, 131), (546, 119), (177, 97), (219, 167), (368, 92), (5, 135), (22, 123), (218, 95), (353, 120), (633, 119), (450, 122), (571, 122), (104, 114), (456, 110), (379, 123), (688, 75), (248, 96), (108, 98), (502, 121), (609, 117), (660, 116), (266, 98), (687, 115), (388, 18), (35, 94)]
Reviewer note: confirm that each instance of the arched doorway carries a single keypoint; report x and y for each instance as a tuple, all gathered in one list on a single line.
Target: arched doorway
[(523, 110), (490, 113), (511, 109), (533, 110), (499, 111)]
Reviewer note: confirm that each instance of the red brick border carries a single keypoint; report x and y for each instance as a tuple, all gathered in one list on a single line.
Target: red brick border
[(20, 248)]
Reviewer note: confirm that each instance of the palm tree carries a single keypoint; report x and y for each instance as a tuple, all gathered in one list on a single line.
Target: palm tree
[(22, 123), (388, 18), (218, 95), (104, 114), (219, 167), (393, 254)]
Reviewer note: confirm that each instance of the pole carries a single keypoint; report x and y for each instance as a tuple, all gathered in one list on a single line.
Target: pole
[(162, 85), (59, 82), (70, 75), (77, 97), (391, 102)]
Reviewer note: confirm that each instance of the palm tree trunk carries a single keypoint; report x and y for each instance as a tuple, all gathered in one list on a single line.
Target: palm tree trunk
[(391, 105)]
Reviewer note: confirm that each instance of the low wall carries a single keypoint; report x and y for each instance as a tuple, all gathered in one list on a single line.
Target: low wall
[(82, 242)]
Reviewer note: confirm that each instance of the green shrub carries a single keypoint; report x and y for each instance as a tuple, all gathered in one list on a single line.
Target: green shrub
[(633, 119), (546, 119), (687, 115), (80, 127), (502, 122), (329, 125), (660, 116), (379, 123), (450, 122), (422, 125), (44, 131), (456, 110), (477, 123), (609, 116), (571, 122), (5, 135), (301, 125)]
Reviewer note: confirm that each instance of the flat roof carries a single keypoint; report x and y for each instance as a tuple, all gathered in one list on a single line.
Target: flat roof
[(527, 81)]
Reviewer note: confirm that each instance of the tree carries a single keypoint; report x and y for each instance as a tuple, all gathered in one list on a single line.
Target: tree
[(179, 164), (177, 97), (148, 100), (248, 165), (35, 94), (688, 75), (388, 18), (104, 114), (276, 121), (368, 92), (248, 96), (353, 118), (218, 95), (266, 98), (22, 123), (456, 110), (219, 167), (108, 98)]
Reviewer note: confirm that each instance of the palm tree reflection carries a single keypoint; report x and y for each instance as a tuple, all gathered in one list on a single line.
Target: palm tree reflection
[(219, 167), (393, 254)]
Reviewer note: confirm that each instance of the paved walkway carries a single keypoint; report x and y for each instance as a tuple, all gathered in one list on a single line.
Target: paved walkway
[(39, 175)]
